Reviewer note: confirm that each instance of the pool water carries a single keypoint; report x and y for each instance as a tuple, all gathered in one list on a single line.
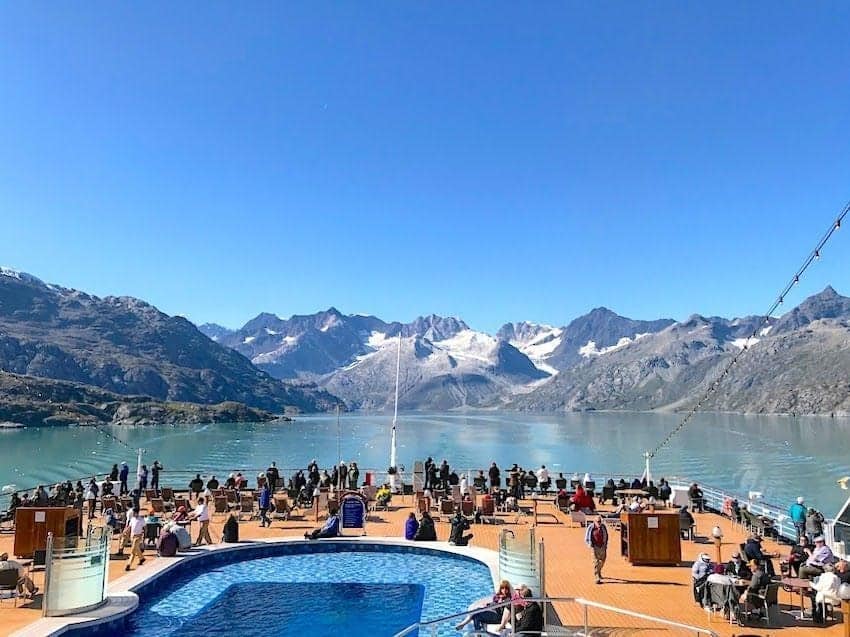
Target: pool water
[(272, 609), (366, 590)]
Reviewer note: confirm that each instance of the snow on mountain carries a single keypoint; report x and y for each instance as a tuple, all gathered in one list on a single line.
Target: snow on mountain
[(590, 349), (535, 340)]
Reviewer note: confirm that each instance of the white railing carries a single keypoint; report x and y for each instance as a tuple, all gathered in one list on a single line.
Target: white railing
[(587, 625)]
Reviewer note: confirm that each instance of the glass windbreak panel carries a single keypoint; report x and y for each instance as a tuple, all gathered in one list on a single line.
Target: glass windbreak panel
[(76, 579)]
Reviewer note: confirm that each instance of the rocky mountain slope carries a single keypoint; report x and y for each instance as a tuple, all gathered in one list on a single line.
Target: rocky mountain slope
[(796, 364), (33, 401), (126, 346)]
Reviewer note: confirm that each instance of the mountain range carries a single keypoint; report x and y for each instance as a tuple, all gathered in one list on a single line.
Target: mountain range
[(127, 347), (65, 354), (601, 360)]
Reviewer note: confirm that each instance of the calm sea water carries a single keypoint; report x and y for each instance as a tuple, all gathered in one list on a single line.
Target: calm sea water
[(782, 457)]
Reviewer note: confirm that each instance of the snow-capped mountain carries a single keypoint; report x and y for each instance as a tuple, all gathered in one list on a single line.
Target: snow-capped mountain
[(467, 369), (536, 341)]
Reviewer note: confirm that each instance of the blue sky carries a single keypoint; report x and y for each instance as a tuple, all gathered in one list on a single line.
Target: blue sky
[(495, 161)]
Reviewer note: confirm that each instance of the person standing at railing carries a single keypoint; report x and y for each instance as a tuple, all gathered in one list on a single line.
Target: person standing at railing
[(353, 476), (596, 537), (273, 476), (797, 513), (122, 476), (155, 469)]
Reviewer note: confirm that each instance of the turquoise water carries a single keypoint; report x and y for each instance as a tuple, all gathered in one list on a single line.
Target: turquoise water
[(782, 457), (372, 591)]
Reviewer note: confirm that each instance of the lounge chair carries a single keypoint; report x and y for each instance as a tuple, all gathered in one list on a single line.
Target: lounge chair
[(150, 494), (246, 505), (282, 506), (181, 502), (608, 494), (767, 599), (9, 585), (220, 504), (167, 494), (157, 506)]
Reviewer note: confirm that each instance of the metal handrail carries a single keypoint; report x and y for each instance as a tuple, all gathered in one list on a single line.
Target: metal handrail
[(713, 495), (584, 603)]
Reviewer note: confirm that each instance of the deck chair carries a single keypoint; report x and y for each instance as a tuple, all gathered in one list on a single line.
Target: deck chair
[(230, 495), (9, 585), (608, 494), (109, 502), (766, 600), (488, 510), (447, 507), (181, 502), (157, 505), (422, 504), (220, 504), (282, 506), (167, 494), (126, 503), (686, 529), (578, 517), (246, 505), (150, 494)]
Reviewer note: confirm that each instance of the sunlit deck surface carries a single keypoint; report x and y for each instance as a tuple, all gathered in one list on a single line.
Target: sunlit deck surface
[(659, 591)]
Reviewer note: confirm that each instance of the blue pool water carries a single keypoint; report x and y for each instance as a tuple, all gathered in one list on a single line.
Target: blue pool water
[(297, 589)]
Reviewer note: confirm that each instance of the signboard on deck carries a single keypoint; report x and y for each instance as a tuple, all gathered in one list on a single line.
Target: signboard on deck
[(353, 515)]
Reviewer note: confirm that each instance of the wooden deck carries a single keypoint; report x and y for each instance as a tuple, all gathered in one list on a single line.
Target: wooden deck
[(659, 591)]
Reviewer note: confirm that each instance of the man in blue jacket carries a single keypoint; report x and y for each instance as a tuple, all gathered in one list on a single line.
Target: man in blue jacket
[(596, 537), (329, 529), (263, 503), (797, 513)]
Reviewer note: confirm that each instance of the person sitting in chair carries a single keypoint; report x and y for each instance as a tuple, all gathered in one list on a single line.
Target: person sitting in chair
[(383, 496), (24, 583), (800, 552), (750, 597), (459, 525), (753, 551), (699, 573), (737, 567), (426, 531), (329, 529)]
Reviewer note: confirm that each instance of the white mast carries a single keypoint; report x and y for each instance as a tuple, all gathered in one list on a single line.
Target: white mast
[(393, 461)]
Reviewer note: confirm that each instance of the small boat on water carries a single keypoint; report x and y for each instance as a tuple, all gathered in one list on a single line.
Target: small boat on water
[(11, 425)]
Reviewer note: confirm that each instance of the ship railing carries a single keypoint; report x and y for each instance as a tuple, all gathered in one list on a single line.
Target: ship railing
[(715, 498), (567, 616)]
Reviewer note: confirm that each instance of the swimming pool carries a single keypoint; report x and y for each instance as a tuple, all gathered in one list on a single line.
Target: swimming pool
[(321, 588)]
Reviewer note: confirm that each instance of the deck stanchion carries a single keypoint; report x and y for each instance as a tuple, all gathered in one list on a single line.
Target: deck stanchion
[(586, 633)]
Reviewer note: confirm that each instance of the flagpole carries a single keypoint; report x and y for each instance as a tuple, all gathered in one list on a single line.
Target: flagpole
[(393, 459)]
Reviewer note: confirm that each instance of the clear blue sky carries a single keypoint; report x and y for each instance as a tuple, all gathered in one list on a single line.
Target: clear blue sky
[(495, 161)]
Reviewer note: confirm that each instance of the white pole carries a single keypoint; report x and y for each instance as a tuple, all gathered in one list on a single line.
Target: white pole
[(647, 456), (393, 459), (139, 465)]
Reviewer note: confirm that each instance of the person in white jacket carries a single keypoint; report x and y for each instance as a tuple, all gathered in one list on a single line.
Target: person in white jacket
[(826, 586)]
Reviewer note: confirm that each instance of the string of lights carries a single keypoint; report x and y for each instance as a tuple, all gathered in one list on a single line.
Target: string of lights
[(813, 256)]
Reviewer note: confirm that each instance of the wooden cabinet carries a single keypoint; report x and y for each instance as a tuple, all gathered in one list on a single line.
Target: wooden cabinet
[(32, 524), (651, 538)]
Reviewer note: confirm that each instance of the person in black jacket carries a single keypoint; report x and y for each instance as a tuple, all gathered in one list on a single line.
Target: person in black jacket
[(530, 621), (426, 532), (495, 476), (428, 464), (459, 525), (444, 475)]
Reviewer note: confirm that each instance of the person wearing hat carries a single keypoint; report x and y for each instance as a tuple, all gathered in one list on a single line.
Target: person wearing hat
[(820, 557), (753, 551), (24, 582), (700, 572), (797, 513), (737, 567)]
